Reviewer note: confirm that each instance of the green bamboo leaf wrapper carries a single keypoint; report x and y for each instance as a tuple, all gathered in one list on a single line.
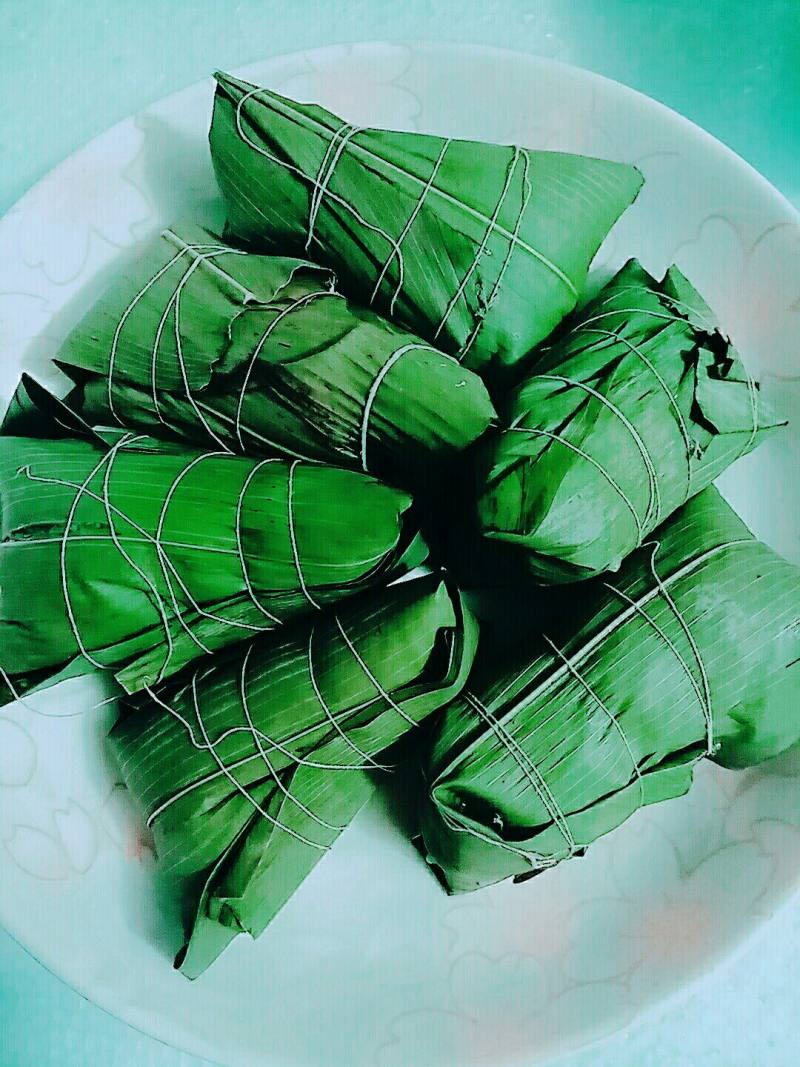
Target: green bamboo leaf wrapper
[(260, 354), (479, 248), (693, 649), (248, 770), (639, 404), (137, 556)]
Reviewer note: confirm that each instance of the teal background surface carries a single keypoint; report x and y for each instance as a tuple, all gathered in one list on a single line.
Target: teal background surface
[(71, 69)]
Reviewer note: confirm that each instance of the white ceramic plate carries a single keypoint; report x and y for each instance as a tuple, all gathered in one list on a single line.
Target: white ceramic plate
[(371, 965)]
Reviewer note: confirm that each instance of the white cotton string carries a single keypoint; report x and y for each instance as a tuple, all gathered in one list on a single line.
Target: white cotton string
[(708, 324), (313, 205), (112, 355), (365, 668), (239, 787), (526, 195), (83, 490), (182, 365), (604, 708), (484, 241), (267, 762), (173, 305), (347, 133), (143, 539), (201, 255), (673, 400), (293, 539), (162, 323), (256, 436), (18, 698), (165, 562), (387, 164), (301, 174), (653, 513), (294, 306), (299, 736), (218, 250), (270, 742), (589, 459), (239, 543), (167, 567), (701, 699), (534, 859), (627, 311), (531, 772), (404, 232), (157, 598), (368, 760), (63, 553), (329, 148), (146, 538), (549, 683), (707, 706), (373, 392)]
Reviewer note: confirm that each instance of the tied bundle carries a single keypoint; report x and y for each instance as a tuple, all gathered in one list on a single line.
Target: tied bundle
[(129, 554), (692, 650), (261, 355), (638, 405), (479, 248), (249, 769)]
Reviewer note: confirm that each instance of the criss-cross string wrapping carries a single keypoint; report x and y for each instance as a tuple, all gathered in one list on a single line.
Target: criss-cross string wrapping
[(613, 719), (653, 512), (169, 609), (703, 695), (533, 775), (405, 231), (671, 399), (462, 285), (202, 255), (589, 459), (263, 743), (684, 625), (749, 380), (295, 305), (330, 717), (343, 139), (522, 699), (568, 666), (484, 310), (198, 255)]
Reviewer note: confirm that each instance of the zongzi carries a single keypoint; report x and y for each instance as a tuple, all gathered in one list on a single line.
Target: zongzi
[(136, 555), (638, 405), (248, 770), (692, 650), (479, 248), (261, 354)]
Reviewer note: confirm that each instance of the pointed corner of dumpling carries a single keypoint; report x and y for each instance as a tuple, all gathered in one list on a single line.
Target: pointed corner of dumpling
[(234, 87), (677, 286)]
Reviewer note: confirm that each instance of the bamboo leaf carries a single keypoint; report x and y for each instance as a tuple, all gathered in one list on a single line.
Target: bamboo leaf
[(261, 355), (479, 248), (248, 770), (604, 706), (136, 555), (640, 403)]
